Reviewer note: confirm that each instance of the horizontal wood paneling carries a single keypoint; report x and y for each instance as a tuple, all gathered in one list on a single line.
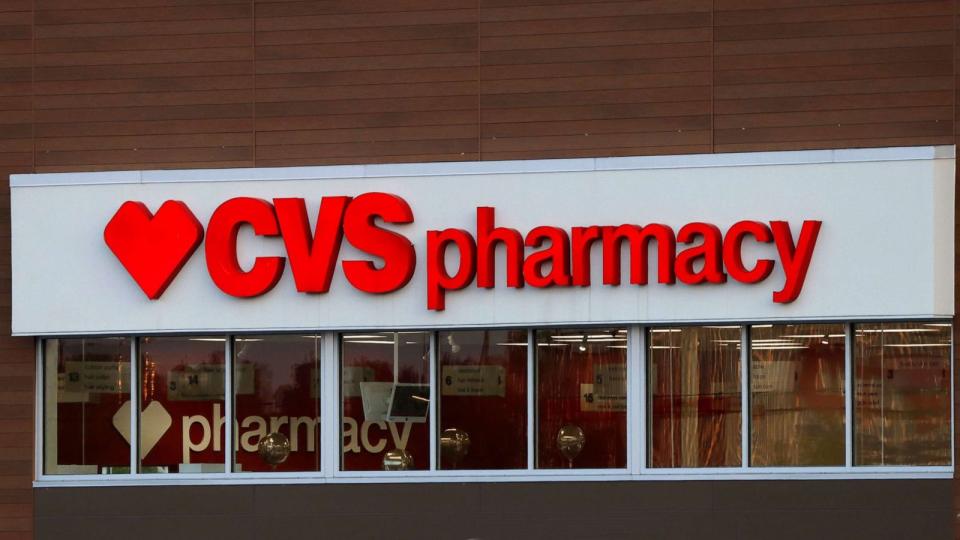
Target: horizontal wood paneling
[(16, 354), (134, 85), (366, 81), (564, 79), (827, 75)]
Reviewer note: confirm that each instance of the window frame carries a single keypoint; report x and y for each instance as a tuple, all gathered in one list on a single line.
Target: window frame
[(637, 469)]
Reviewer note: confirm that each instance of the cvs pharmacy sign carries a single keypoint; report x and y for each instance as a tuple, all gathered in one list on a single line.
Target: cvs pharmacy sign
[(153, 247)]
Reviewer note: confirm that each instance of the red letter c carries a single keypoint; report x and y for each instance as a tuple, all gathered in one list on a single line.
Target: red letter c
[(221, 247)]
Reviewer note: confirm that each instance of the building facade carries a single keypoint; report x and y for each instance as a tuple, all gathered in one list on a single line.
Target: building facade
[(500, 269)]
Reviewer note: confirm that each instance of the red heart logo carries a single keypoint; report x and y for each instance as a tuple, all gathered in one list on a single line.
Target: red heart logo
[(153, 248)]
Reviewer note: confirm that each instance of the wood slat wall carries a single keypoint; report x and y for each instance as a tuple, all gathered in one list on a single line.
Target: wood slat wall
[(172, 83), (135, 84), (140, 84), (817, 74), (16, 354), (569, 79), (364, 82)]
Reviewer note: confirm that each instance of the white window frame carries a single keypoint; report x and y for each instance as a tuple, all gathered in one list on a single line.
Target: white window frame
[(636, 420)]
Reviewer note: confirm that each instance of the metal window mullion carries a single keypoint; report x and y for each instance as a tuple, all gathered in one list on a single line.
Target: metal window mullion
[(744, 397), (134, 405), (329, 411), (848, 395), (531, 399), (396, 358), (953, 435), (228, 402), (637, 398), (40, 416), (434, 422)]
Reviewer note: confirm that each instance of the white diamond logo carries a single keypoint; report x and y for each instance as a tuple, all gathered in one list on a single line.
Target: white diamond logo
[(154, 422)]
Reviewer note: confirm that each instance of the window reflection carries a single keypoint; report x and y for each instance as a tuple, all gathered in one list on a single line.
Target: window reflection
[(694, 380), (385, 388), (582, 398), (276, 381), (181, 408), (902, 390), (796, 395), (483, 399), (87, 406)]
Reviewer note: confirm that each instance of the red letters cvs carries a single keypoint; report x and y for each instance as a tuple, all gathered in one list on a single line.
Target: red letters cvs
[(153, 248), (313, 255)]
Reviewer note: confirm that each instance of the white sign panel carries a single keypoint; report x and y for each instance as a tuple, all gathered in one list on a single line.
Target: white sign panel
[(884, 249)]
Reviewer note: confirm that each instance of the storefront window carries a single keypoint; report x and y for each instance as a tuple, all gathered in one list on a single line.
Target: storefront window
[(797, 395), (181, 407), (483, 399), (694, 387), (902, 390), (582, 398), (900, 386), (276, 381), (86, 413), (385, 388)]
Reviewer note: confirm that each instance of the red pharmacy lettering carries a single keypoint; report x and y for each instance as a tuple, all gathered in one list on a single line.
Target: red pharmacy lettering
[(153, 249)]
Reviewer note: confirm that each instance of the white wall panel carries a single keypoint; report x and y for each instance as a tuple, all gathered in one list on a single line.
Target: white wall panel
[(885, 249)]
